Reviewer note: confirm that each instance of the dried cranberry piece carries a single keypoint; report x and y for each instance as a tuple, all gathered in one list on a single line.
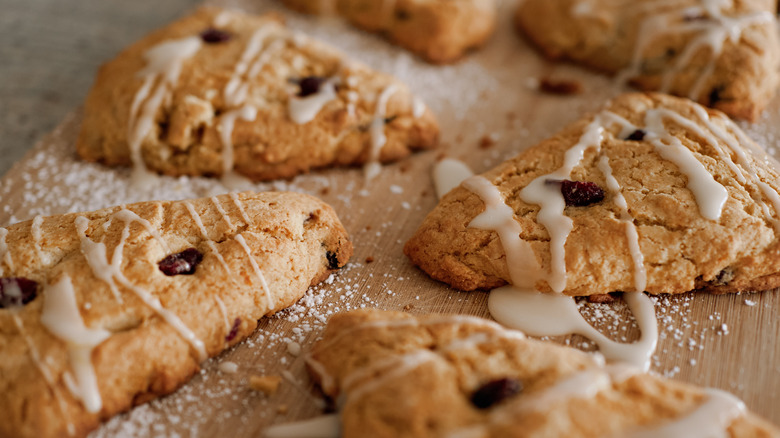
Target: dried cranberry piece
[(17, 291), (310, 85), (333, 260), (183, 263), (495, 392), (215, 36), (580, 193), (637, 135), (233, 330)]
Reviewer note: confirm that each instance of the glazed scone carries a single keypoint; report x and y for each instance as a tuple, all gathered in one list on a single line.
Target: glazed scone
[(220, 93), (104, 310), (457, 376), (440, 31), (724, 54), (689, 203)]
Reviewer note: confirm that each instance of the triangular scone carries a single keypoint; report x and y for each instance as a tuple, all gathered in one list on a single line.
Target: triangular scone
[(456, 376), (104, 310), (722, 54), (220, 91), (441, 31), (689, 203)]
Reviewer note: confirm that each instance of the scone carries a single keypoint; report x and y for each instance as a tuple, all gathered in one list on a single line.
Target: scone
[(456, 376), (653, 193), (440, 31), (104, 310), (722, 54), (221, 93)]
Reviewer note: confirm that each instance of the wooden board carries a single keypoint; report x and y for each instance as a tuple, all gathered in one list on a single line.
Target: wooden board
[(728, 342)]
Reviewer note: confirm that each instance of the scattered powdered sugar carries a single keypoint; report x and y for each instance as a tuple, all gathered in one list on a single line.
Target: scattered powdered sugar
[(484, 95)]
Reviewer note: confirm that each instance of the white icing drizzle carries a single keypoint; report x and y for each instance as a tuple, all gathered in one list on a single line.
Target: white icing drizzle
[(377, 132), (304, 109), (709, 33), (325, 426), (398, 365), (236, 94), (448, 174), (328, 383), (240, 207), (541, 314), (223, 18), (227, 122), (44, 370), (223, 311), (60, 315), (199, 222), (5, 254), (524, 269), (640, 273), (111, 273), (709, 420), (418, 107), (129, 216), (236, 89), (221, 211), (35, 231), (710, 195), (163, 67), (258, 273)]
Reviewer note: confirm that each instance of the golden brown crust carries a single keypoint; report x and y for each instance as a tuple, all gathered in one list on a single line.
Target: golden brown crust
[(682, 249), (440, 31), (186, 136), (399, 375), (295, 240), (604, 34)]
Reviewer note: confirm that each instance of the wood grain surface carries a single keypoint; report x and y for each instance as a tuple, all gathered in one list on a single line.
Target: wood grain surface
[(729, 342)]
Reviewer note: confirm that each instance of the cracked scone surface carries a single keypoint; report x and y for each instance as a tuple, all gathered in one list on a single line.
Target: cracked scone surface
[(725, 55), (294, 241), (203, 122), (682, 249), (440, 31), (400, 375)]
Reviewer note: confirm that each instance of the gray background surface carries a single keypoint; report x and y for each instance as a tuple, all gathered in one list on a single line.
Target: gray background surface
[(50, 51)]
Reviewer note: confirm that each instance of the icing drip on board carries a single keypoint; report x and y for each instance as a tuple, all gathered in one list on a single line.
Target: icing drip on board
[(60, 315), (111, 273), (707, 34), (541, 314), (163, 67)]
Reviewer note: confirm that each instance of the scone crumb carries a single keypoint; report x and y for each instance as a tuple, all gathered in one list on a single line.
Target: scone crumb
[(282, 409), (369, 259), (487, 141), (562, 87), (265, 384), (601, 298), (408, 307)]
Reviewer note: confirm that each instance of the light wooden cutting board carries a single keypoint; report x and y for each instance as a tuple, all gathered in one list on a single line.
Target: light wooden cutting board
[(729, 342)]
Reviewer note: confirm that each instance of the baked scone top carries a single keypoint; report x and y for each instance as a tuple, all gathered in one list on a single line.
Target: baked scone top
[(103, 310), (440, 31), (724, 54), (219, 92), (689, 202), (457, 376)]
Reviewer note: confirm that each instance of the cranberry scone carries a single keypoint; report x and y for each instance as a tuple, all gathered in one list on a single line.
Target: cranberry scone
[(104, 310), (397, 375), (440, 31), (653, 193), (724, 54), (222, 93)]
